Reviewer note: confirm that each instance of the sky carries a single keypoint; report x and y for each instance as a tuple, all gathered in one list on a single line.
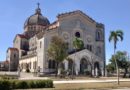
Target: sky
[(114, 14)]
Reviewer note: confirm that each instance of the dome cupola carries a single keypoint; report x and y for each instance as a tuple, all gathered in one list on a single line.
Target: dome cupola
[(37, 19)]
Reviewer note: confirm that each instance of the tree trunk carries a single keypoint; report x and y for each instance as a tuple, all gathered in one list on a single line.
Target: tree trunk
[(116, 67), (56, 69)]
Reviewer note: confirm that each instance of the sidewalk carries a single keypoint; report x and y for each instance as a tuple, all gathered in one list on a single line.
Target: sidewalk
[(89, 81)]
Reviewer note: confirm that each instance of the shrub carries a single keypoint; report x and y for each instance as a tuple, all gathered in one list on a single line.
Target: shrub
[(25, 84), (5, 85), (32, 84), (48, 83), (21, 85)]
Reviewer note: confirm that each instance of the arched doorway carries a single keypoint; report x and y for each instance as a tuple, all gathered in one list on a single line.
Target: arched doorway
[(97, 71), (85, 67), (51, 64), (71, 67)]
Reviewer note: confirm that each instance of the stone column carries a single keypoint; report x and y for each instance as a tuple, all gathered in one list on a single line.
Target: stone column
[(77, 66), (93, 74), (96, 71), (66, 65), (102, 71)]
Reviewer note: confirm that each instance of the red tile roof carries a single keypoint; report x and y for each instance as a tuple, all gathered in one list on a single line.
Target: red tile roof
[(21, 36), (13, 49), (6, 62)]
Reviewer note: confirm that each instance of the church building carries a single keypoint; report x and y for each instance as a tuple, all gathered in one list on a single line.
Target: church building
[(29, 51)]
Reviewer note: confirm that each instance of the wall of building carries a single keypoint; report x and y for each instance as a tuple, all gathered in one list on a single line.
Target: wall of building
[(31, 62)]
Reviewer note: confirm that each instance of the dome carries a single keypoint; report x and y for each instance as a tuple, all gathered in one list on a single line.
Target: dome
[(37, 19)]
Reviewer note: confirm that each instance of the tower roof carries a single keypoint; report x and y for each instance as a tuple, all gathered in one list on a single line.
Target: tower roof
[(37, 18)]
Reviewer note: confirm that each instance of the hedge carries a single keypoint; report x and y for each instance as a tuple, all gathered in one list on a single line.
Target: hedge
[(25, 84)]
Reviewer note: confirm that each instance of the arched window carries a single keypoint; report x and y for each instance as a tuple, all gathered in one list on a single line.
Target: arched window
[(77, 34), (98, 35)]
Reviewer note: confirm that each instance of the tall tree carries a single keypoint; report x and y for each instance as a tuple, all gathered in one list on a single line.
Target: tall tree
[(57, 51), (115, 36)]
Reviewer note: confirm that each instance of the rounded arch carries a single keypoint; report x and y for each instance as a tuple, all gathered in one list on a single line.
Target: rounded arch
[(78, 32), (70, 64), (98, 35), (97, 70), (85, 66), (96, 65)]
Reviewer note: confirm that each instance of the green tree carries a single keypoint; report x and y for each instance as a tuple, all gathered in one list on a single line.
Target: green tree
[(78, 43), (110, 68), (57, 51), (115, 36), (122, 60)]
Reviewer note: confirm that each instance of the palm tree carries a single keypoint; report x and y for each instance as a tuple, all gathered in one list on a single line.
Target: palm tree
[(115, 36)]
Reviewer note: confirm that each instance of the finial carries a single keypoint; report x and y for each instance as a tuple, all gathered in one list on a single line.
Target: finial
[(38, 10)]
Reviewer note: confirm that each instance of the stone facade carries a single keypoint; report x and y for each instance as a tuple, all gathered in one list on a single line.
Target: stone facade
[(13, 58), (33, 43)]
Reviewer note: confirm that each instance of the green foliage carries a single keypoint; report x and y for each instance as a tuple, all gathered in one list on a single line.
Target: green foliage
[(78, 43), (115, 36), (121, 58), (32, 84), (25, 84), (122, 62), (5, 85), (57, 49), (110, 67), (21, 85)]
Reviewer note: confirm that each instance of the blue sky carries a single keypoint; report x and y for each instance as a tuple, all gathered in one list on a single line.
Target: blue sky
[(115, 14)]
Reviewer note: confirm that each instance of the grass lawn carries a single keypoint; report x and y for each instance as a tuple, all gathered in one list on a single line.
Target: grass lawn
[(84, 86)]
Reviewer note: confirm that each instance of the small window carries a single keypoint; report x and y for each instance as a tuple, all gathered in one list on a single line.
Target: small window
[(14, 55), (89, 47), (77, 34), (98, 35), (40, 44)]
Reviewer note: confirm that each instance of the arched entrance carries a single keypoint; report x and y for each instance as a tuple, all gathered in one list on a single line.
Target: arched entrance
[(85, 67), (71, 67), (97, 71)]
